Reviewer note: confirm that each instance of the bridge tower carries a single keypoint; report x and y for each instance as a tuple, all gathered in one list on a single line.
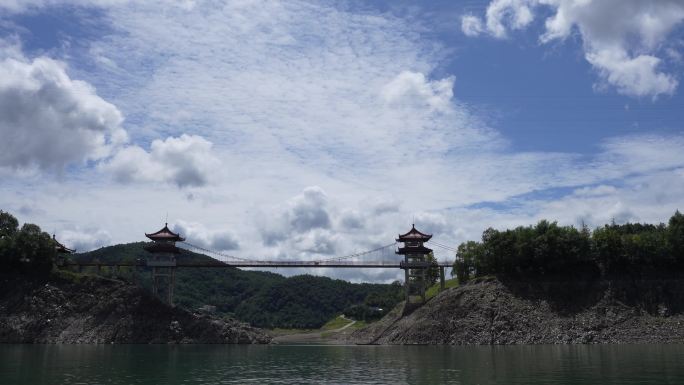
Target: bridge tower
[(162, 260), (415, 263), (62, 251)]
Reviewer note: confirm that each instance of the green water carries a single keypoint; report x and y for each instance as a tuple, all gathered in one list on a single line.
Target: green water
[(205, 364)]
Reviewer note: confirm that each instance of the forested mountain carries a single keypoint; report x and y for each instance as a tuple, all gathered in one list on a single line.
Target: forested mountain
[(261, 298), (306, 301)]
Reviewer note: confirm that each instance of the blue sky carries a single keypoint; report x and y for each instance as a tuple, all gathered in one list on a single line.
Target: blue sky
[(311, 129)]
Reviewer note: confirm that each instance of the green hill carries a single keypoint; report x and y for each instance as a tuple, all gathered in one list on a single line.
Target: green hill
[(261, 298), (307, 301)]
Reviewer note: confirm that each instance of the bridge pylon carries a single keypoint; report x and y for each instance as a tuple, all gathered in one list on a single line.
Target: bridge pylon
[(162, 260), (415, 263)]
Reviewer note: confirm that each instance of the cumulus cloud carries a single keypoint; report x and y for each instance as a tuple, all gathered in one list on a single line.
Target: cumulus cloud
[(352, 219), (515, 14), (84, 239), (213, 239), (186, 161), (622, 38), (414, 88), (49, 120), (471, 25), (303, 214)]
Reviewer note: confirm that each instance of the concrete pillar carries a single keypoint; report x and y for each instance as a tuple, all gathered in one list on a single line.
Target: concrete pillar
[(441, 278), (154, 281), (172, 283), (407, 287), (423, 279)]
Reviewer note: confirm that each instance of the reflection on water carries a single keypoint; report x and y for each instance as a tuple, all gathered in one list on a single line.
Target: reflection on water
[(207, 364)]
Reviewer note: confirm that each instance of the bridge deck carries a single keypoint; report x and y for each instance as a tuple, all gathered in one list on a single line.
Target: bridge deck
[(311, 264)]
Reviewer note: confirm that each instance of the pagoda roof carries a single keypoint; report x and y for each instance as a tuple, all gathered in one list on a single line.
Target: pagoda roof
[(414, 235), (165, 235), (60, 247), (159, 247), (420, 250)]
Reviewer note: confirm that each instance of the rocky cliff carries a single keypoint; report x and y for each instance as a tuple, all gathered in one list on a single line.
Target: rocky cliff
[(80, 309), (486, 311)]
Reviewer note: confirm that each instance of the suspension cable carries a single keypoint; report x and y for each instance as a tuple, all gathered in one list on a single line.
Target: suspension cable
[(450, 248), (359, 254), (217, 252), (349, 256)]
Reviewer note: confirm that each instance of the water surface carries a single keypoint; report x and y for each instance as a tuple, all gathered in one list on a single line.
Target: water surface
[(302, 364)]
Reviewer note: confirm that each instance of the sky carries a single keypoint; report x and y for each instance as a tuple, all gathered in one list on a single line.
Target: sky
[(313, 129)]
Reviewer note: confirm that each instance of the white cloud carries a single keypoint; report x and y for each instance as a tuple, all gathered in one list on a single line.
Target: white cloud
[(622, 38), (515, 14), (471, 25), (303, 217), (186, 161), (47, 119), (414, 88), (351, 219), (84, 239), (635, 76), (213, 239)]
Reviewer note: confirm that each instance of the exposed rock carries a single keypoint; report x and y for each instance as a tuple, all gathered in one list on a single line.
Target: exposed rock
[(98, 310), (487, 312)]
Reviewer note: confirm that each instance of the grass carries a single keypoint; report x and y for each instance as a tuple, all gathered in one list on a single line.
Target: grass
[(283, 331), (336, 323), (434, 289)]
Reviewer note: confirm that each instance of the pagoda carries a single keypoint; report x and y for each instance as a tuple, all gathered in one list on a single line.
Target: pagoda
[(60, 248), (415, 263), (62, 252), (163, 252)]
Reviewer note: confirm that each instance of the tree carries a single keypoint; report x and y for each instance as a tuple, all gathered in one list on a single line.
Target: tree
[(675, 237), (28, 248), (8, 225), (466, 256), (432, 273), (8, 228), (35, 248)]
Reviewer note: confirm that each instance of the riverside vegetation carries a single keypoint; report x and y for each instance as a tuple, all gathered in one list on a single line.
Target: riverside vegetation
[(548, 250)]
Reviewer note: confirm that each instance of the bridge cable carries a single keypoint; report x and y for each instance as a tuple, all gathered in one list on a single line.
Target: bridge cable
[(450, 248), (349, 256)]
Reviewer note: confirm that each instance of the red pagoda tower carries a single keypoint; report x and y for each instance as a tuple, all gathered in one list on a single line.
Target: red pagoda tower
[(163, 252), (415, 263)]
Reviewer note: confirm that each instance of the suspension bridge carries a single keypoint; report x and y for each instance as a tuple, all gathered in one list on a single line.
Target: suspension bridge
[(354, 260), (412, 258), (222, 260)]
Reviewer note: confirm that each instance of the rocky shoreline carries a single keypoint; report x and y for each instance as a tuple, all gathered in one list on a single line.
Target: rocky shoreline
[(96, 310), (487, 312)]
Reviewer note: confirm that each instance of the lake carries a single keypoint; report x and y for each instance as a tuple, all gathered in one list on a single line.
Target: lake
[(310, 364)]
